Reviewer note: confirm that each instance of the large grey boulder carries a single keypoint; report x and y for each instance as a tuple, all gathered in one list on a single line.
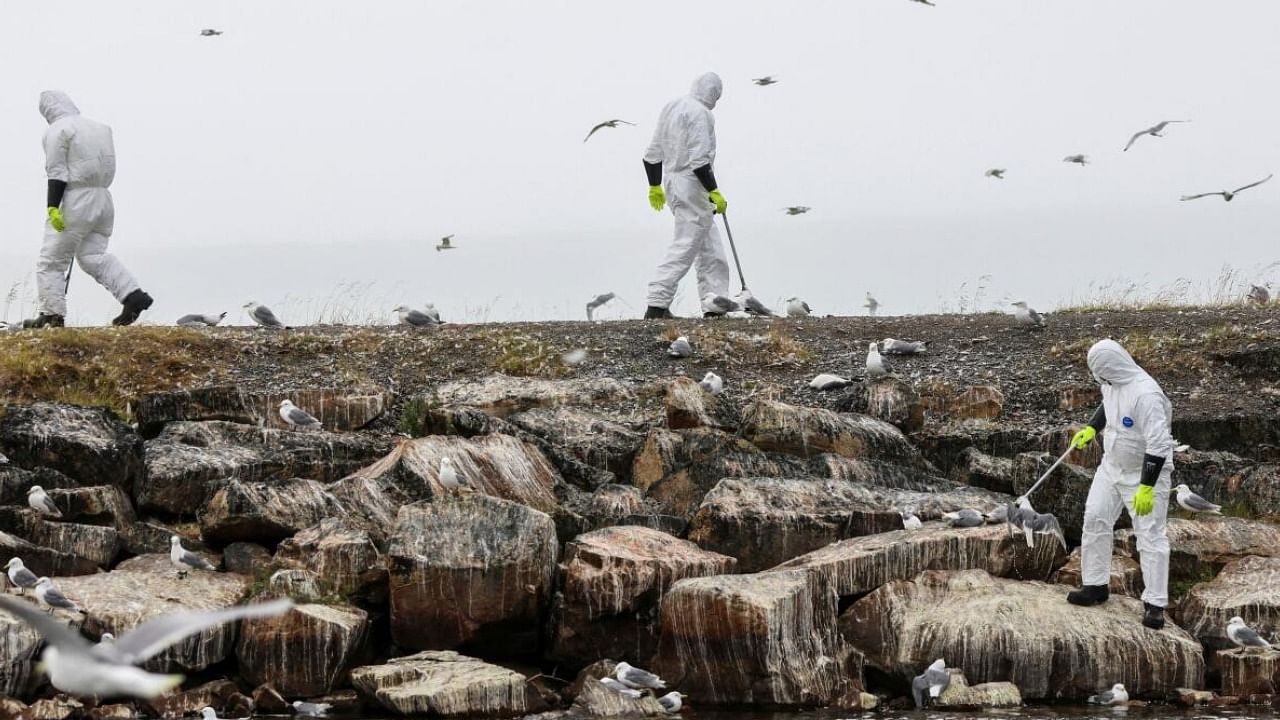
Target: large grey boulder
[(610, 591), (90, 445), (306, 652), (266, 511), (470, 571), (446, 684), (336, 409), (807, 431), (1248, 588), (502, 395), (94, 543), (1201, 547), (1022, 632), (343, 557), (18, 645)]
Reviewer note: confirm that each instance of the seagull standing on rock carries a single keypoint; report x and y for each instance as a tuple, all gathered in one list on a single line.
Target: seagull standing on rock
[(618, 687), (185, 560), (79, 668), (1117, 695), (1259, 294), (1027, 317), (450, 478), (1244, 636), (1194, 503), (671, 702), (262, 315), (51, 597), (634, 677), (875, 364), (296, 417), (40, 501), (20, 576)]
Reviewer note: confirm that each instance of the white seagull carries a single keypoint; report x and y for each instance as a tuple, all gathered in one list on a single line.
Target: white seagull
[(929, 684), (40, 501), (20, 576), (827, 381), (1259, 294), (875, 364), (295, 416), (753, 306), (1153, 131), (680, 348), (199, 320), (1227, 195), (596, 302), (967, 517), (671, 702), (1026, 316), (618, 687), (796, 209), (718, 304), (185, 560), (262, 315), (1244, 636), (415, 318), (1193, 502), (712, 383), (797, 308), (1025, 517), (210, 32), (312, 709), (910, 521), (606, 124), (450, 478), (51, 597), (1117, 695), (79, 668), (889, 346), (634, 677)]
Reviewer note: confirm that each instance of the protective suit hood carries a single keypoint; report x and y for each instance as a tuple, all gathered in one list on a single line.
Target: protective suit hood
[(55, 105), (707, 89), (1110, 362)]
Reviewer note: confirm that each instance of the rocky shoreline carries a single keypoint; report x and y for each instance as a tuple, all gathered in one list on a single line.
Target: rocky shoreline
[(745, 546)]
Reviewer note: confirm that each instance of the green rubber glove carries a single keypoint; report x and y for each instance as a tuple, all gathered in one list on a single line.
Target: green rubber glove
[(55, 219), (657, 198), (718, 200), (1084, 437), (1144, 501)]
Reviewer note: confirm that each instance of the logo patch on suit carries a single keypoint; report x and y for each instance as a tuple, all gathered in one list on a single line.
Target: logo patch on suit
[(1126, 421)]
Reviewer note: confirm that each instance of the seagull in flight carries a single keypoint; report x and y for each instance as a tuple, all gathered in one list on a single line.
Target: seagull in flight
[(929, 684), (997, 173), (1227, 195), (796, 209), (872, 305), (924, 2), (210, 32), (597, 302), (1080, 160), (606, 124), (1153, 131), (765, 81), (79, 668), (446, 243)]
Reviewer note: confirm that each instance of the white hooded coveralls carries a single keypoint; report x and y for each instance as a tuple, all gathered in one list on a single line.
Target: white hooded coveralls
[(79, 152), (683, 141), (1139, 418)]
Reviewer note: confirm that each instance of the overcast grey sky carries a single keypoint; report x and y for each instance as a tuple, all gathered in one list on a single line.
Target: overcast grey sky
[(318, 143)]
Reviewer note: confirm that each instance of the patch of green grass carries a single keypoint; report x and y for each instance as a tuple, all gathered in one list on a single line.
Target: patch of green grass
[(416, 417), (1178, 588)]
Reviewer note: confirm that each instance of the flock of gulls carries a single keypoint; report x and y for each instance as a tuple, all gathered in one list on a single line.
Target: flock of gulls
[(634, 682)]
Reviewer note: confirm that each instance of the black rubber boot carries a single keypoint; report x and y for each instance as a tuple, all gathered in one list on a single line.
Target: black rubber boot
[(134, 303), (44, 320), (1089, 595), (658, 313), (1153, 617)]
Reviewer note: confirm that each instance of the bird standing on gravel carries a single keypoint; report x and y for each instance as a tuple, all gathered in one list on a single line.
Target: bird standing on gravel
[(1115, 696), (1244, 636), (1027, 317), (296, 417), (606, 124), (40, 501), (797, 308), (876, 367), (185, 560), (51, 597), (415, 318), (712, 383), (1194, 503), (199, 320), (19, 575), (1153, 131), (262, 315), (1227, 195)]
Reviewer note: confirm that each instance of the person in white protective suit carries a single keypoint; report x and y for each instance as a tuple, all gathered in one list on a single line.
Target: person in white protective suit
[(680, 159), (80, 161), (1137, 463)]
